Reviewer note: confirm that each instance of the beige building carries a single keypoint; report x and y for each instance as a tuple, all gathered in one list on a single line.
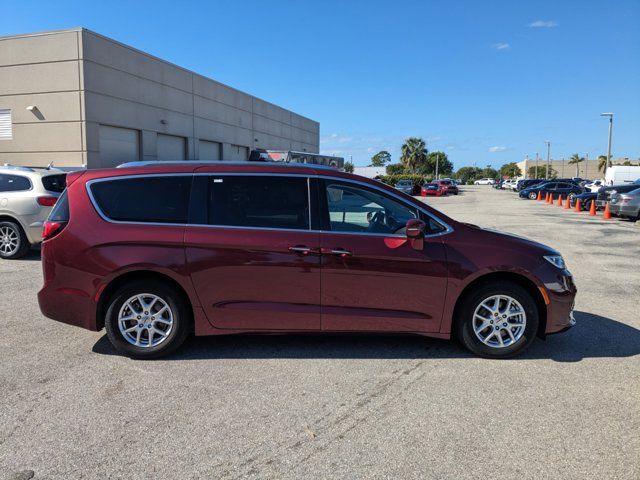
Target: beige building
[(75, 98), (587, 169)]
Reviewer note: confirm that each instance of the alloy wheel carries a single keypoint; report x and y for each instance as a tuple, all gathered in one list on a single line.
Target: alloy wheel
[(145, 320), (499, 321), (9, 240)]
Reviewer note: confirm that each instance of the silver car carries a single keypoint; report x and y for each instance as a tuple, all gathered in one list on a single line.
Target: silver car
[(626, 205), (26, 198)]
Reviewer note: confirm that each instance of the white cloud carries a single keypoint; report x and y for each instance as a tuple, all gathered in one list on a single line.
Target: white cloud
[(498, 149), (501, 46), (543, 24)]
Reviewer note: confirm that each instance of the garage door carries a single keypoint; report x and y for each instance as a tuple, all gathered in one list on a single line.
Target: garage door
[(209, 150), (171, 147), (238, 152), (118, 145)]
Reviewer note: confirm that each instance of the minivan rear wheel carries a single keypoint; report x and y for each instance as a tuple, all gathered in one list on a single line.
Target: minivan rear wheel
[(13, 241), (497, 320), (146, 319)]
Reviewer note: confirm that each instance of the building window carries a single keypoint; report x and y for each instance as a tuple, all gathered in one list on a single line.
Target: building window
[(6, 132)]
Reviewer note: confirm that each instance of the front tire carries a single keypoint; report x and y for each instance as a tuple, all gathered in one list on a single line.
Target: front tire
[(533, 195), (147, 319), (13, 241), (497, 320)]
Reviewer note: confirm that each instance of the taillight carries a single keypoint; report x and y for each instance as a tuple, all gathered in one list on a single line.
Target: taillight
[(47, 201), (51, 229)]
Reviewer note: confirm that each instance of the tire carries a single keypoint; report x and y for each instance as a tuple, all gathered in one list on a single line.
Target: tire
[(13, 241), (523, 335), (176, 319), (533, 195)]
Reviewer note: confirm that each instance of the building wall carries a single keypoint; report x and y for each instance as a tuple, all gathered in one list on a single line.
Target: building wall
[(587, 169), (44, 71), (82, 80)]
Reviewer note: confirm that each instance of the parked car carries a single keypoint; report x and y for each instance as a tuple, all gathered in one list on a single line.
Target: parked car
[(594, 186), (157, 250), (626, 205), (555, 188), (585, 200), (26, 197), (529, 182), (405, 186), (449, 186), (484, 181), (604, 193), (498, 184), (509, 185), (433, 190), (619, 174)]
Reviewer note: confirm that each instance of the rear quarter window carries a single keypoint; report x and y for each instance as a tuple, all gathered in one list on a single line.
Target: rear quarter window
[(54, 183), (14, 183), (157, 199)]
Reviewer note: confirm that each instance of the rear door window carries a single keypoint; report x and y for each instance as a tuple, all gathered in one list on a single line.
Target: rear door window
[(54, 183), (276, 202), (14, 183), (153, 199)]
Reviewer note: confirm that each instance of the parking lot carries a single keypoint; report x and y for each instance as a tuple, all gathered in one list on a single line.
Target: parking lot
[(340, 406)]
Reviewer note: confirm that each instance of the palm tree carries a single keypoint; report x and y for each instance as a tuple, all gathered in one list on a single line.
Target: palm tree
[(576, 160), (413, 153), (602, 163)]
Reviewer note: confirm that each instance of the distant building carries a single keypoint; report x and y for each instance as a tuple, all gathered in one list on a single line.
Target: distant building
[(587, 169), (78, 98), (370, 172)]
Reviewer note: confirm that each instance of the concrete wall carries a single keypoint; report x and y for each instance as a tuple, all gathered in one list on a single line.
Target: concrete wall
[(587, 169), (44, 71), (81, 80)]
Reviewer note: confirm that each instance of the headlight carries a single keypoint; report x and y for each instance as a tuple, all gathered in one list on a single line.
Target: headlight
[(556, 260)]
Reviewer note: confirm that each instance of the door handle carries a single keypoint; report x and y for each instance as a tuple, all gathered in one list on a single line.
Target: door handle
[(301, 249), (337, 251)]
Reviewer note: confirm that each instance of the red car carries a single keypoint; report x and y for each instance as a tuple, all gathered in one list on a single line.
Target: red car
[(449, 186), (155, 251), (433, 190)]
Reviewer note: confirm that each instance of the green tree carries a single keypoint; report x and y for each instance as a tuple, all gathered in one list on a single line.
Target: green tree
[(576, 159), (542, 172), (380, 159), (445, 166), (489, 172), (348, 167), (468, 174), (510, 170), (602, 163), (395, 169), (413, 153)]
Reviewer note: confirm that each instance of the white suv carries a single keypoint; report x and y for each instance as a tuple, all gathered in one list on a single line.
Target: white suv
[(484, 181), (26, 197)]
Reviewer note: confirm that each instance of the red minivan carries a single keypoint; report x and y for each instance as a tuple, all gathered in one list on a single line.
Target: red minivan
[(156, 251)]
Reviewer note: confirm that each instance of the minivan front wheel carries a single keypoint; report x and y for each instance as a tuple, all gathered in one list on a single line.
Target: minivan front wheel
[(497, 320), (146, 319)]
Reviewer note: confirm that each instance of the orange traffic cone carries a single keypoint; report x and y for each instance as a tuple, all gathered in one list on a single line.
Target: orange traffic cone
[(548, 197), (578, 205), (560, 201), (592, 210), (539, 195), (607, 212), (567, 204)]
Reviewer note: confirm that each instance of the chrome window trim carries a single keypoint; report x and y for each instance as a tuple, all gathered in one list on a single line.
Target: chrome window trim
[(447, 228)]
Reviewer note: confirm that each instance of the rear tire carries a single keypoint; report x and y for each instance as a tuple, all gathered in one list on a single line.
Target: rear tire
[(13, 241), (533, 195), (498, 342), (147, 319)]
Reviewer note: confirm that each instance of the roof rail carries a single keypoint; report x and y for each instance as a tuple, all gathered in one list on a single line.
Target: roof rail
[(17, 167), (160, 163)]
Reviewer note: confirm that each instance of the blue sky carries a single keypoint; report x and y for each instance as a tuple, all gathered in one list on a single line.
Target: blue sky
[(488, 82)]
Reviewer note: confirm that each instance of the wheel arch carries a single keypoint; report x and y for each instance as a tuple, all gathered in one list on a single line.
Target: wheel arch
[(132, 276), (513, 277)]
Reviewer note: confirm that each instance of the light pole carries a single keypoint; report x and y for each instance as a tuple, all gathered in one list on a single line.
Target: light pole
[(537, 159), (610, 115), (437, 162), (548, 156)]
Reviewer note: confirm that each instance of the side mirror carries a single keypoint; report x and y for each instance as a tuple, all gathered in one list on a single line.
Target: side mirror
[(415, 231)]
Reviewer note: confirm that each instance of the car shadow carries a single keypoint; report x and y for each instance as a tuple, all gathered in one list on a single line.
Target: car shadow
[(593, 336)]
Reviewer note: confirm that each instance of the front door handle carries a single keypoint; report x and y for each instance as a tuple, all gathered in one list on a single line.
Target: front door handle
[(301, 249)]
